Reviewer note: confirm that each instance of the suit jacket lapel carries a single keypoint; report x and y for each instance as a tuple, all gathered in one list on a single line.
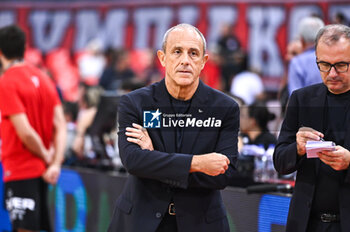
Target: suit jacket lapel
[(162, 102), (317, 104)]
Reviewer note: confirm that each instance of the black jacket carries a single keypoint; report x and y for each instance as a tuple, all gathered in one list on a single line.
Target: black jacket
[(306, 108)]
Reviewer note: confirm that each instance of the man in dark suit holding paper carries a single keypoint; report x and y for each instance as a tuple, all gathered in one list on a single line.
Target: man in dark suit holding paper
[(321, 198), (187, 154)]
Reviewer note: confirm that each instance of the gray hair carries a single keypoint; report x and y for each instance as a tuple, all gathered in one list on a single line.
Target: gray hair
[(184, 26), (333, 33), (308, 28)]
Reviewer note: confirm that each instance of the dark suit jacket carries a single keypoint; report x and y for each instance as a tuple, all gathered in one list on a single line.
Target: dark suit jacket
[(306, 108), (158, 176)]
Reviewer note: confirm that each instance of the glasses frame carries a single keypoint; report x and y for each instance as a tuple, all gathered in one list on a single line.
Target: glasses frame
[(333, 65)]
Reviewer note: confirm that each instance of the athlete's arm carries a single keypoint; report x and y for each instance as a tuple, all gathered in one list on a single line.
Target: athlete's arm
[(59, 142), (29, 137), (60, 135)]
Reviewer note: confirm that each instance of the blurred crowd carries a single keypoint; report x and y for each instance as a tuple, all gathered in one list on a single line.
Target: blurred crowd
[(91, 81)]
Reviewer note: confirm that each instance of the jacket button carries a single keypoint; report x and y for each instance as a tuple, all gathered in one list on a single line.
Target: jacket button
[(158, 215)]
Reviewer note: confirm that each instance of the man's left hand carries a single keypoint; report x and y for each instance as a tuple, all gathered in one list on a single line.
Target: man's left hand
[(139, 135), (338, 159), (52, 173)]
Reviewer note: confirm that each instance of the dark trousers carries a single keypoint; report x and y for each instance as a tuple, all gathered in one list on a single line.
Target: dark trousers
[(168, 224)]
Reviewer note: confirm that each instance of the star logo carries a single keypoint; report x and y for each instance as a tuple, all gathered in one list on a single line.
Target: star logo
[(156, 115), (151, 118)]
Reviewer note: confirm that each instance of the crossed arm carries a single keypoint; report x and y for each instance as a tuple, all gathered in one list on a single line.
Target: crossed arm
[(212, 164), (212, 170)]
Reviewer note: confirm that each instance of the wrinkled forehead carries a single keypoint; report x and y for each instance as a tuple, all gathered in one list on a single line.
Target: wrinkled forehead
[(184, 35), (328, 45), (336, 51)]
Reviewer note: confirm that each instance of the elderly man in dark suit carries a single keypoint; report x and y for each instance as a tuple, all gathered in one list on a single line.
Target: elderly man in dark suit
[(321, 199), (178, 165)]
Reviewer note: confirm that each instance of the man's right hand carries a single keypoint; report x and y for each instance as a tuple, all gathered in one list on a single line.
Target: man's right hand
[(212, 164), (305, 134), (49, 155), (52, 174)]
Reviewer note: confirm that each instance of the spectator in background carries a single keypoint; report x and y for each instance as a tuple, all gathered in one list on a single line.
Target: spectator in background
[(339, 18), (229, 49), (88, 101), (294, 48), (91, 63), (119, 71), (303, 70), (151, 72), (109, 55), (144, 65), (131, 85), (211, 73), (253, 125), (70, 114), (33, 134), (247, 84)]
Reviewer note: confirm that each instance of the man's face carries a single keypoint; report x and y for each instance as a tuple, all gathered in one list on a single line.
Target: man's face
[(336, 82), (294, 48), (244, 119), (183, 59)]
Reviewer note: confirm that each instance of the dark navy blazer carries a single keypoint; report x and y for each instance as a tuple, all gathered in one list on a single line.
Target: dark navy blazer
[(159, 176)]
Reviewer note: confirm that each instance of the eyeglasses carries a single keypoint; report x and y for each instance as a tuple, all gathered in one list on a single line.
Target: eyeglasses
[(340, 67)]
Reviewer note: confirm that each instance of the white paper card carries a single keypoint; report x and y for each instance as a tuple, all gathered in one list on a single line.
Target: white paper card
[(312, 147)]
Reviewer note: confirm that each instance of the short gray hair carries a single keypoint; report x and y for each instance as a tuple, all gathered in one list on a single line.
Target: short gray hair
[(309, 27), (184, 26), (333, 33)]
